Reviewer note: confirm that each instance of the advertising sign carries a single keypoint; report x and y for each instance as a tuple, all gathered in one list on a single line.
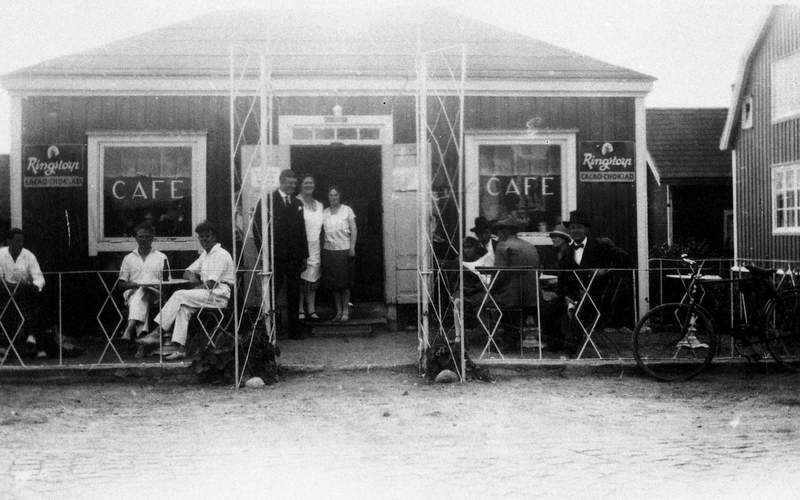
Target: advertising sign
[(53, 166), (602, 161)]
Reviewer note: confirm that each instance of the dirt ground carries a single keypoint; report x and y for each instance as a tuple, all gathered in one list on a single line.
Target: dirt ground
[(385, 434)]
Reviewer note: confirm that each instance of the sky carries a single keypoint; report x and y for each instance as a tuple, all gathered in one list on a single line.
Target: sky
[(693, 47)]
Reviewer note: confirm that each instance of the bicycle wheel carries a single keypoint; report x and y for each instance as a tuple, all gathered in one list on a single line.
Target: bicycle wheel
[(674, 342), (782, 330)]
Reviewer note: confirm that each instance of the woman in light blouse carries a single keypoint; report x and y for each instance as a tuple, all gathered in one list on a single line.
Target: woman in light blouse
[(310, 278), (339, 251)]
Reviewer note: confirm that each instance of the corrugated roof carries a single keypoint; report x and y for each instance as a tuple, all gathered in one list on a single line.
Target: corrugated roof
[(340, 42), (684, 143)]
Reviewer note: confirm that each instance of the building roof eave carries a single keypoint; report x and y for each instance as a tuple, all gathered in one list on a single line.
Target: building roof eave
[(732, 120), (304, 84)]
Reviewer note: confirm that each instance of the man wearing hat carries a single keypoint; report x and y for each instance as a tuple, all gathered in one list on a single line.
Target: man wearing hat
[(587, 255), (483, 232), (514, 289)]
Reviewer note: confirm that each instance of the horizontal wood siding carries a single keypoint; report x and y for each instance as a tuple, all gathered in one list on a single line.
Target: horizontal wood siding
[(611, 205), (65, 120), (765, 145), (402, 108)]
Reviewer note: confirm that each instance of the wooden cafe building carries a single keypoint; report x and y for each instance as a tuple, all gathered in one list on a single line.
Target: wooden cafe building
[(140, 128)]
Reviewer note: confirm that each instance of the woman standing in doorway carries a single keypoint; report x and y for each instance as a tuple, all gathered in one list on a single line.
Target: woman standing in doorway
[(310, 278), (339, 251)]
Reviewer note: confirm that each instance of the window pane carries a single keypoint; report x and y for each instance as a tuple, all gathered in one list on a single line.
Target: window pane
[(323, 133), (790, 220), (147, 184), (522, 180), (301, 133), (347, 134), (369, 134)]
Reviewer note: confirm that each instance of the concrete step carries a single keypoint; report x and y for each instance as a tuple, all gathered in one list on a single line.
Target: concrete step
[(342, 331)]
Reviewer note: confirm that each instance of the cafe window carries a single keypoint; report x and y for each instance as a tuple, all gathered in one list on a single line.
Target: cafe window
[(523, 176), (145, 177), (786, 199)]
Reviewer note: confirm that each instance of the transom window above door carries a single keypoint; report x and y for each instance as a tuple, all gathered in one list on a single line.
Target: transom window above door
[(351, 130)]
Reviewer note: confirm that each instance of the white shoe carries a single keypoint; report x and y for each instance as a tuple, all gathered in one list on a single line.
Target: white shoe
[(691, 342)]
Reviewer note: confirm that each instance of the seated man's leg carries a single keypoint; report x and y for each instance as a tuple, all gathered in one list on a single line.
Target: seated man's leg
[(138, 311), (178, 311)]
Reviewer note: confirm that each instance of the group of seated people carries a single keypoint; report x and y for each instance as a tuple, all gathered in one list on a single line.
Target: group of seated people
[(574, 258), (142, 272), (211, 278)]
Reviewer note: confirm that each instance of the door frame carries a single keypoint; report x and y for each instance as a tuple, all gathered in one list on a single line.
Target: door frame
[(384, 124)]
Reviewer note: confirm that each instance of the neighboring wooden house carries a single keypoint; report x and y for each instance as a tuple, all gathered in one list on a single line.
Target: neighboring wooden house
[(689, 183), (763, 130), (533, 114)]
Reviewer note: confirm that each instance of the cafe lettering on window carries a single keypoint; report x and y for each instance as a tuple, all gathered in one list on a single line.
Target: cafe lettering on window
[(521, 180), (607, 161), (147, 184), (52, 166)]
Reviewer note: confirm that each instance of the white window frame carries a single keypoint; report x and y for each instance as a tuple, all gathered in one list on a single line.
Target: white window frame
[(779, 170), (473, 140), (785, 73), (383, 123), (99, 140), (747, 113)]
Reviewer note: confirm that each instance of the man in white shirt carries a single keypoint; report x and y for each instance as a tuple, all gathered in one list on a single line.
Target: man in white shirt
[(139, 276), (213, 275), (23, 280)]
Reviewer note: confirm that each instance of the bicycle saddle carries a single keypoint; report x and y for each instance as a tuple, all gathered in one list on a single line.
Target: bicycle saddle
[(760, 272)]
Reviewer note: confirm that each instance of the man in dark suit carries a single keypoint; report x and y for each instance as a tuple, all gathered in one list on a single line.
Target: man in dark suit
[(585, 257), (290, 247)]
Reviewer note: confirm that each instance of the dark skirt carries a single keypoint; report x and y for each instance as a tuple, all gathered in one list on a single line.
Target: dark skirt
[(337, 269)]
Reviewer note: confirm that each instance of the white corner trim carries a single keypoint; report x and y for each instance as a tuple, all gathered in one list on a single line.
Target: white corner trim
[(654, 168), (642, 243)]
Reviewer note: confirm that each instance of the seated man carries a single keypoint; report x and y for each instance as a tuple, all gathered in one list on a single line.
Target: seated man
[(139, 274), (213, 274), (474, 289), (581, 260), (23, 279), (514, 289)]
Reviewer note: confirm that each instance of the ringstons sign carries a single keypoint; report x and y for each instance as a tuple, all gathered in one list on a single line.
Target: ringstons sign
[(604, 161), (53, 166)]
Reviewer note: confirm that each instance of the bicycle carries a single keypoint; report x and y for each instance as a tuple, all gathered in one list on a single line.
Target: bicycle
[(676, 341)]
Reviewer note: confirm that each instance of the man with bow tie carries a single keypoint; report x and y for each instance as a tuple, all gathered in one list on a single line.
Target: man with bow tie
[(290, 247), (581, 260)]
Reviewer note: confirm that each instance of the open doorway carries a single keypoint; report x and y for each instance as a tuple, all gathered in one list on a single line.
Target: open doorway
[(357, 171)]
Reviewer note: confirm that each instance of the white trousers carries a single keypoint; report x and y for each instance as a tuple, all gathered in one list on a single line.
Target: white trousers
[(138, 309), (181, 306)]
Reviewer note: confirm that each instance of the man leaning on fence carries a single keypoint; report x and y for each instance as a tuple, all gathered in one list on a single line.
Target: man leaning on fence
[(213, 274)]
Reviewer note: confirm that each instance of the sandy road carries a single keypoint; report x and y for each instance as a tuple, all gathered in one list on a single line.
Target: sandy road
[(386, 435)]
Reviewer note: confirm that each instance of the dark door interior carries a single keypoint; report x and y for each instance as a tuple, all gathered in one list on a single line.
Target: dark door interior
[(357, 170)]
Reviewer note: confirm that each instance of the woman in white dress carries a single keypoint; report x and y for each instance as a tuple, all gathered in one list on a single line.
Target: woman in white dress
[(339, 252), (310, 278)]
